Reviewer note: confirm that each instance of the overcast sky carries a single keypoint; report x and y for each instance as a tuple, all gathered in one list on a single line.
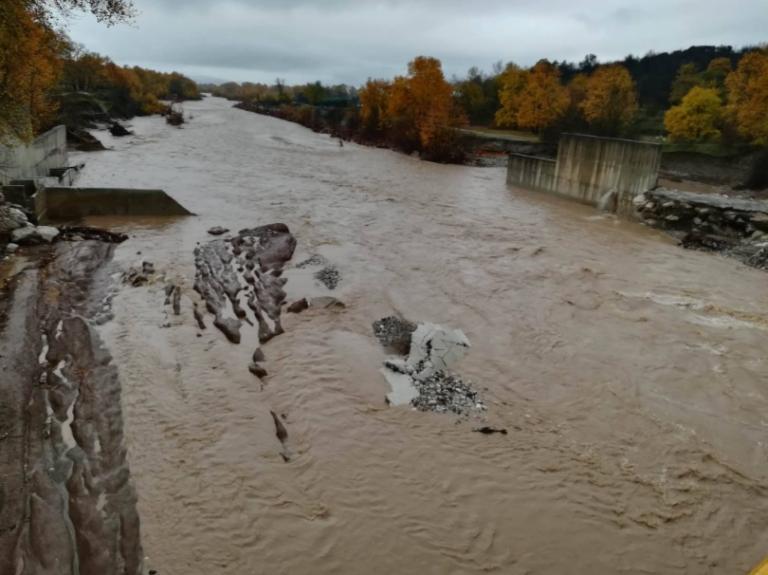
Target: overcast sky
[(348, 41)]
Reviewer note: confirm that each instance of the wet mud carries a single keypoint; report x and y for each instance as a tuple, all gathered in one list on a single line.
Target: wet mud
[(68, 505)]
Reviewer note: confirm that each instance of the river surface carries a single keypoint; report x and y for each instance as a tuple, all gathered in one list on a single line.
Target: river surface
[(631, 375)]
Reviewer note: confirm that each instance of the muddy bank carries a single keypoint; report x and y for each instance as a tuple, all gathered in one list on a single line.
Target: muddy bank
[(67, 505)]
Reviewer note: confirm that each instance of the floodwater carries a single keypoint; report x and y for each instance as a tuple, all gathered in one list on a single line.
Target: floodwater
[(632, 376)]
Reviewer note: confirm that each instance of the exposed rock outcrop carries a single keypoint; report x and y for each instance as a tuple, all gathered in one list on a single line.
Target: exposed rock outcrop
[(243, 273), (69, 506), (119, 131)]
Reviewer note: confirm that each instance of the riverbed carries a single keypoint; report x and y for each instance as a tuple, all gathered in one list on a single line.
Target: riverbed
[(631, 375)]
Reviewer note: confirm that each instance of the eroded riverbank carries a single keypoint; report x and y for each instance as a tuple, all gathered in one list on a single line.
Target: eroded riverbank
[(629, 373)]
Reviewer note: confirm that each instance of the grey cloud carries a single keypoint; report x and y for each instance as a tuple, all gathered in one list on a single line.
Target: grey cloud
[(350, 40)]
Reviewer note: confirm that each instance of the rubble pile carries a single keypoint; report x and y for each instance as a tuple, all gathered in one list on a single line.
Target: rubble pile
[(394, 333), (737, 227), (424, 378)]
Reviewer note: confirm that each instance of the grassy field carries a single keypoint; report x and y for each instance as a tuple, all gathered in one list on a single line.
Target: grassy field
[(706, 148), (492, 133)]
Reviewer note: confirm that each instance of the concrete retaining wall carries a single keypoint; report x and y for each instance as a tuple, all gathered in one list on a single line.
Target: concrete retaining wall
[(33, 161), (54, 204), (531, 173), (588, 167), (605, 172)]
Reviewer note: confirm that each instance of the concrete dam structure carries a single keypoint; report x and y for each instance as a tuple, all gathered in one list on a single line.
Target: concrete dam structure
[(62, 203), (27, 169), (602, 172), (34, 161)]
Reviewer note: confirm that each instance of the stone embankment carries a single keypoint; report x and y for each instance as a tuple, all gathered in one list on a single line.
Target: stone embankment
[(17, 228), (735, 226)]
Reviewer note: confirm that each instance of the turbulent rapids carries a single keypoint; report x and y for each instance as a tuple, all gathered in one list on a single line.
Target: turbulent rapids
[(621, 378)]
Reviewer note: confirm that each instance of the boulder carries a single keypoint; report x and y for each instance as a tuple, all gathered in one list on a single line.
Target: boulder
[(11, 248), (257, 370), (11, 219), (327, 302), (118, 130), (33, 235), (298, 306)]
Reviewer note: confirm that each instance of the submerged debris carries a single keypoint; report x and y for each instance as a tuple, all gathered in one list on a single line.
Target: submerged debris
[(315, 260), (257, 370), (486, 430), (394, 333), (79, 233), (329, 276), (282, 434), (327, 302), (137, 276), (177, 301), (198, 316), (119, 131), (298, 306), (218, 231), (443, 393)]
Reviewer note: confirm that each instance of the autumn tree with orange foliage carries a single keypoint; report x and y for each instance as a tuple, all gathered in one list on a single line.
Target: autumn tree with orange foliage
[(747, 89), (400, 119), (374, 102), (413, 112), (697, 118), (610, 104), (31, 58), (431, 99), (512, 83), (29, 68), (533, 100)]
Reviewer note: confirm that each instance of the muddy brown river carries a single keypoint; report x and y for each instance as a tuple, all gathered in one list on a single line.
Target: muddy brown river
[(631, 375)]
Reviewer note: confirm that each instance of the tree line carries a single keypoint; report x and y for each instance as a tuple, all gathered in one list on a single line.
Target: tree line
[(704, 94), (720, 97), (46, 79)]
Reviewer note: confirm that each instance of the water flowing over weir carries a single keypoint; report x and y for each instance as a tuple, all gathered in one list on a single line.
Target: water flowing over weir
[(629, 374)]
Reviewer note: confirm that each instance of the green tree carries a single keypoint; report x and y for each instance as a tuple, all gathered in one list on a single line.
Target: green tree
[(687, 77)]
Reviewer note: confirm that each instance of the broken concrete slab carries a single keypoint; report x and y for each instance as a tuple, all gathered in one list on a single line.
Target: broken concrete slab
[(423, 379)]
